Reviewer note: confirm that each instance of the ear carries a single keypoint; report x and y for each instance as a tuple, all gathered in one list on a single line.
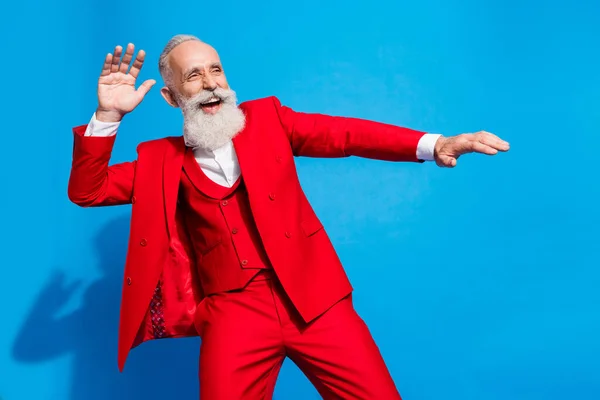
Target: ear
[(168, 96)]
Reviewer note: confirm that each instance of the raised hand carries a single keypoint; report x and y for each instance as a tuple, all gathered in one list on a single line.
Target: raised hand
[(117, 94), (449, 149)]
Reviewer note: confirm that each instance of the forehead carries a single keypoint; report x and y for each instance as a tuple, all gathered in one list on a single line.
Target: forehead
[(192, 54)]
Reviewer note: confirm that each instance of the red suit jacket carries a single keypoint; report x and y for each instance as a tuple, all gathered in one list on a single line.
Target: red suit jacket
[(298, 247)]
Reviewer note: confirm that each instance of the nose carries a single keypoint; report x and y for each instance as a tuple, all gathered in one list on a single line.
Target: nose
[(209, 83)]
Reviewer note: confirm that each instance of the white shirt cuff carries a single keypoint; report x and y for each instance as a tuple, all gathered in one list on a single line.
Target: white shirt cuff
[(100, 128), (426, 146)]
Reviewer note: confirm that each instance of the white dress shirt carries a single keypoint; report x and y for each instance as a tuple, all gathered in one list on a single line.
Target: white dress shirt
[(222, 166)]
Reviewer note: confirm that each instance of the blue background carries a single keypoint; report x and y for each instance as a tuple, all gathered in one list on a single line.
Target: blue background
[(479, 282)]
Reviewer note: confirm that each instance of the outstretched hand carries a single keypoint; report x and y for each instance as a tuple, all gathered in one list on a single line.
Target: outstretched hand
[(117, 94), (449, 149)]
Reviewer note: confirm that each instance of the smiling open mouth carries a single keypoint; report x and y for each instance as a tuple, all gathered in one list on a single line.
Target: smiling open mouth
[(212, 105)]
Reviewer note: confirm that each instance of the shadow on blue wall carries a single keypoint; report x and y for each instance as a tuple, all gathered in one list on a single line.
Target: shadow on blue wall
[(89, 335)]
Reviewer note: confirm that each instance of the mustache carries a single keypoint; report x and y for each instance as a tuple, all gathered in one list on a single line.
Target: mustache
[(226, 96)]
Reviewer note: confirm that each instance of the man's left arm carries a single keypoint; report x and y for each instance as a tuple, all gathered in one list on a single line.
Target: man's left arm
[(317, 135)]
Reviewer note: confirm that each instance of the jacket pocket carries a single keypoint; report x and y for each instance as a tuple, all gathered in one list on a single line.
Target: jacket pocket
[(207, 248), (311, 225)]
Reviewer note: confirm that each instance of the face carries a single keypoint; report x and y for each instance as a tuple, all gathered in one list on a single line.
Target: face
[(211, 115), (195, 67)]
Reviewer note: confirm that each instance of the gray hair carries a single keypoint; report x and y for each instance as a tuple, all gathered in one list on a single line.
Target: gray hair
[(163, 64)]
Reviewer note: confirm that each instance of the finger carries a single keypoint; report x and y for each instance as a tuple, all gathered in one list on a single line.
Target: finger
[(492, 140), (479, 147), (497, 144), (137, 64), (145, 87), (107, 64), (127, 58), (116, 59)]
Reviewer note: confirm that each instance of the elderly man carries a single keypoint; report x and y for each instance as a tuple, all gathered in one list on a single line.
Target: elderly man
[(223, 242)]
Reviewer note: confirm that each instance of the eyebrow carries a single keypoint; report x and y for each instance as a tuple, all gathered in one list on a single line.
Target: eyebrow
[(199, 69)]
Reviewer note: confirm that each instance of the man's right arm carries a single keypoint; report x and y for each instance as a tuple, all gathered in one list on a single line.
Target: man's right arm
[(93, 182)]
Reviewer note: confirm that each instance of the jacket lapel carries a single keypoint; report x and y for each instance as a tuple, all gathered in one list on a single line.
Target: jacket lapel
[(172, 165), (245, 149)]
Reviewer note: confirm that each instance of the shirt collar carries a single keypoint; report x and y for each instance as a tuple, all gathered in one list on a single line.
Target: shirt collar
[(200, 152)]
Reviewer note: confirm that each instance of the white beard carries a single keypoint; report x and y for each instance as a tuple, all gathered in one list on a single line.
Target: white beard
[(210, 131)]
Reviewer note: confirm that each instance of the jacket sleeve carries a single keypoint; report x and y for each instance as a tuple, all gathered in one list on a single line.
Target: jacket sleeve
[(92, 182), (318, 135)]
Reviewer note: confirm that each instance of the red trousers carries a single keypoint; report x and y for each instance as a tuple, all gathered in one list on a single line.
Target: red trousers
[(247, 334)]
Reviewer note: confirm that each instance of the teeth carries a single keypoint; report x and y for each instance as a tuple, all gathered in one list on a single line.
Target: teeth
[(211, 100)]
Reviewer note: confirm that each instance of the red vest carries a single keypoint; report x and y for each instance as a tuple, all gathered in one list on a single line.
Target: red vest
[(227, 246)]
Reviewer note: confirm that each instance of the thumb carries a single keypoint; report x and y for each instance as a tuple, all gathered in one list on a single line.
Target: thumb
[(447, 161), (145, 87)]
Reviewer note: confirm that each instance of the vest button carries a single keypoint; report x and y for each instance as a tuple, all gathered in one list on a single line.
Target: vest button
[(278, 159), (272, 196), (234, 231), (133, 200), (143, 242), (288, 235), (129, 281), (244, 262)]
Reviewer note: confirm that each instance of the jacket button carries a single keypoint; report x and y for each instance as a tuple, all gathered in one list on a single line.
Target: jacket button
[(288, 235), (133, 200), (129, 281), (272, 196), (234, 231), (244, 262), (278, 159), (143, 242), (224, 202)]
